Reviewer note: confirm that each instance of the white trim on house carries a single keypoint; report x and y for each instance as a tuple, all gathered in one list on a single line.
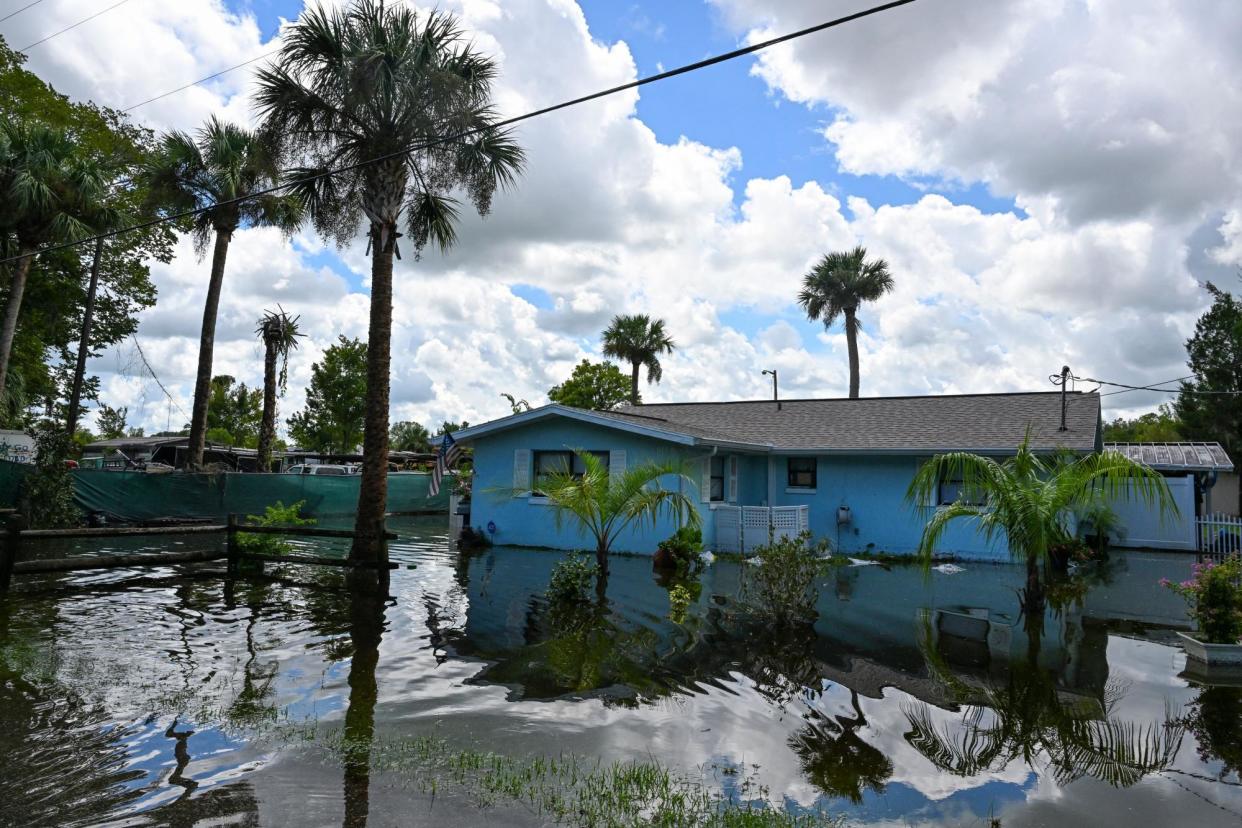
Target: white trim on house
[(553, 409)]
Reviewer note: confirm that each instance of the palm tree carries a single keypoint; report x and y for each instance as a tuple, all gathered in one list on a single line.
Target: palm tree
[(1027, 501), (639, 340), (836, 286), (48, 192), (401, 104), (209, 171), (279, 333), (604, 505)]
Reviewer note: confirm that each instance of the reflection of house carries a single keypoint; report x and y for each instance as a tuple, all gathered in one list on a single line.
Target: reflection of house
[(839, 467)]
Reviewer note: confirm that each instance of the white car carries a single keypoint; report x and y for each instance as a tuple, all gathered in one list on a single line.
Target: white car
[(320, 468)]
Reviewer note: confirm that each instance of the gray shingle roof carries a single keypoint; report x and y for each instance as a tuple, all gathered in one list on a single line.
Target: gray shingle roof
[(975, 422)]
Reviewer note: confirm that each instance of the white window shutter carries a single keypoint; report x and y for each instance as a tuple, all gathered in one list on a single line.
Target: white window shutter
[(521, 472), (733, 479), (705, 479), (616, 464)]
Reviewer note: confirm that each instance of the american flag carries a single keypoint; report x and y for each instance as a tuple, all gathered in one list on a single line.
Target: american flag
[(446, 457)]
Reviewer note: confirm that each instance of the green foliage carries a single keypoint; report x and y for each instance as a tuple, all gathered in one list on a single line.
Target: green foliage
[(1214, 354), (603, 505), (1160, 426), (679, 600), (111, 422), (234, 412), (684, 550), (638, 340), (335, 400), (47, 492), (407, 435), (277, 514), (1099, 524), (594, 386), (1214, 592), (1027, 500), (1215, 720), (571, 579), (515, 405), (780, 586)]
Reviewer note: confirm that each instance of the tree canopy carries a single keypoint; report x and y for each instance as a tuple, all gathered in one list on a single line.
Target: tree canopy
[(335, 400), (599, 386), (1209, 406)]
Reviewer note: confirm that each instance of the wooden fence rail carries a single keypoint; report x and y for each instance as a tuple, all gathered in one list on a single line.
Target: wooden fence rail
[(14, 537)]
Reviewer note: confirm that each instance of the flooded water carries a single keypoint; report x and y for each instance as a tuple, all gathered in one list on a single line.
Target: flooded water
[(178, 697)]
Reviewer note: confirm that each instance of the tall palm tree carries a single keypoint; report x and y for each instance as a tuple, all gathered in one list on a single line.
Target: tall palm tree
[(279, 333), (401, 103), (836, 286), (639, 340), (209, 171), (1027, 501), (48, 192)]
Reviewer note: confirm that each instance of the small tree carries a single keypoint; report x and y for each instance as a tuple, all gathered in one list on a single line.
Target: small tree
[(279, 333), (1027, 500), (335, 400), (595, 386), (47, 492), (408, 435), (111, 422), (604, 505)]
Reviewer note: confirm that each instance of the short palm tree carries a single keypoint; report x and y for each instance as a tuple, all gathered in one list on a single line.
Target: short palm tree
[(402, 104), (1028, 501), (208, 171), (49, 192), (279, 333), (836, 286), (638, 340), (604, 505)]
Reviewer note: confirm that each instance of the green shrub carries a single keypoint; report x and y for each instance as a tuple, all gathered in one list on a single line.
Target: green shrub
[(276, 515), (779, 585), (571, 580), (47, 492), (684, 549), (1214, 592), (679, 600)]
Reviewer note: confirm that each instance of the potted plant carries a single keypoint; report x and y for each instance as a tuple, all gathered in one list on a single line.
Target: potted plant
[(1214, 592)]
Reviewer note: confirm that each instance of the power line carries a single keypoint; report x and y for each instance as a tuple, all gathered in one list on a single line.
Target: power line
[(1152, 386), (74, 26), (19, 11), (681, 70), (1126, 388), (200, 80)]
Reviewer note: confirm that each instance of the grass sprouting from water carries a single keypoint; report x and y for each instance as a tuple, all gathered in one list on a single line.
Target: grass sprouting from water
[(574, 790)]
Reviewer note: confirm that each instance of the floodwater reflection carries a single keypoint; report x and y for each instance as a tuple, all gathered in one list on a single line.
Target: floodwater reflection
[(182, 697)]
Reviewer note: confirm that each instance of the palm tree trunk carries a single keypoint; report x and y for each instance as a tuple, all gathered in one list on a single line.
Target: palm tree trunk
[(373, 488), (206, 345), (84, 340), (368, 591), (1033, 595), (267, 429), (17, 286), (634, 382), (851, 343)]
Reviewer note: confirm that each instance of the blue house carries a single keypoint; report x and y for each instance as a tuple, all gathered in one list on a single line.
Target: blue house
[(838, 467)]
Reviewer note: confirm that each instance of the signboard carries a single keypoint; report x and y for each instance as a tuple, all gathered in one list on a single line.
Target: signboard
[(16, 446)]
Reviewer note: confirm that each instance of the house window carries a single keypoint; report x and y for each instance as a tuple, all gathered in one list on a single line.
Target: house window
[(557, 462), (952, 490), (718, 481), (802, 472)]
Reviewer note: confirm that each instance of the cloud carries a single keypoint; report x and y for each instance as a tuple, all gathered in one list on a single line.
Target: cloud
[(608, 219)]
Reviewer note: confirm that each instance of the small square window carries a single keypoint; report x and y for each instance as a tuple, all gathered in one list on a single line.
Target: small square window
[(717, 490), (952, 490), (802, 472)]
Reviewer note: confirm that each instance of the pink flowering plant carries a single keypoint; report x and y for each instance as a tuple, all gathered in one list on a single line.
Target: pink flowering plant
[(1214, 592)]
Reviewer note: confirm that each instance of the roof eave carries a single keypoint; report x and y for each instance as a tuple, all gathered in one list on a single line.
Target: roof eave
[(582, 415)]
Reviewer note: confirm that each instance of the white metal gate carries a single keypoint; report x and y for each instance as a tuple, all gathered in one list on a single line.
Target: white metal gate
[(744, 528), (1219, 535)]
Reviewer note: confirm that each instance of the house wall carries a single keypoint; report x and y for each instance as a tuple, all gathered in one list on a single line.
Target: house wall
[(873, 487), (525, 521)]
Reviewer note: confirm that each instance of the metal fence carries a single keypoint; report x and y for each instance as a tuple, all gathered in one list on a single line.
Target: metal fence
[(1218, 536)]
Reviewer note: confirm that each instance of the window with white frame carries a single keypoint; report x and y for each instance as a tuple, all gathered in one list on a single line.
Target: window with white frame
[(952, 489), (558, 462)]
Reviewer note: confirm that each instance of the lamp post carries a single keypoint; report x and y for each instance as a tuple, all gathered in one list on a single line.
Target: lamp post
[(775, 395)]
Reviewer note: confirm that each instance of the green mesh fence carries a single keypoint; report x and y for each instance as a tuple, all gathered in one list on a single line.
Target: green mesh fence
[(138, 496)]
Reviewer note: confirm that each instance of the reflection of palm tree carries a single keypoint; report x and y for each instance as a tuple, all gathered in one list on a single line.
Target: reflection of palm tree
[(369, 591), (1026, 718), (836, 759)]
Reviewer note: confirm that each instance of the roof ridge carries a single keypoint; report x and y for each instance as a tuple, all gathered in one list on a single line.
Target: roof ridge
[(864, 399)]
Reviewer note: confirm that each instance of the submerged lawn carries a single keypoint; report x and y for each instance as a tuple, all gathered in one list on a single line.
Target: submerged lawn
[(178, 697)]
